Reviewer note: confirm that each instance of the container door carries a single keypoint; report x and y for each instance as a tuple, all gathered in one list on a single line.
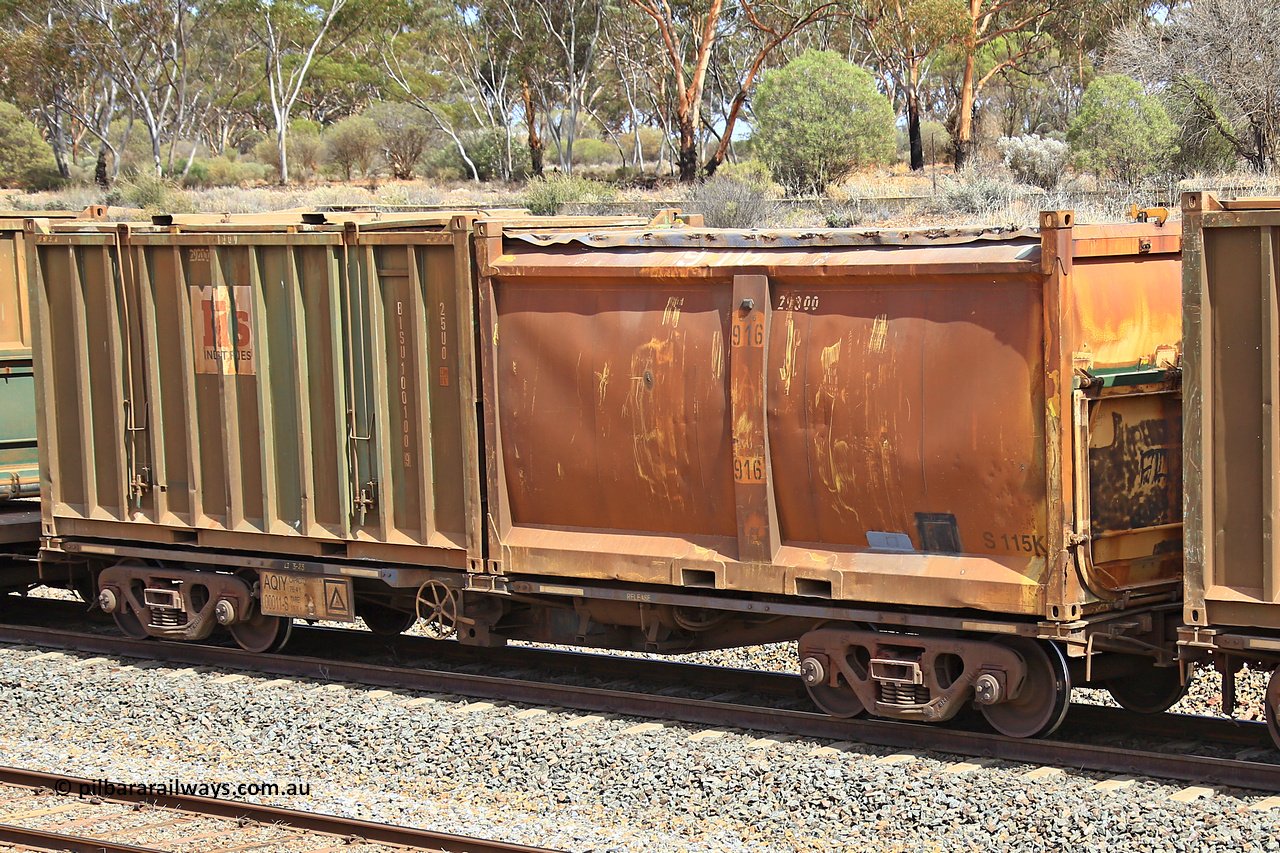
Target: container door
[(1130, 515)]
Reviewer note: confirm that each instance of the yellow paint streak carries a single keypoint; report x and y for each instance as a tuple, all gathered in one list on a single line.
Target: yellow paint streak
[(671, 316), (717, 355), (658, 422), (602, 384), (787, 372), (879, 333)]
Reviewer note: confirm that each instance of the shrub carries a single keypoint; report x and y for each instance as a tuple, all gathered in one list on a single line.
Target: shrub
[(593, 152), (403, 134), (651, 140), (152, 194), (1120, 131), (729, 201), (1034, 159), (302, 145), (1201, 147), (352, 145), (225, 172), (971, 192), (488, 150), (544, 196), (26, 160), (818, 118)]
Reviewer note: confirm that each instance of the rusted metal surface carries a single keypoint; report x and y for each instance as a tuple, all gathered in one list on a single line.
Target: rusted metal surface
[(837, 415), (1232, 429)]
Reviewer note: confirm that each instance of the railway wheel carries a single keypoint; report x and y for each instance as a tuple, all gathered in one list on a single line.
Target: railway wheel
[(438, 607), (837, 701), (261, 633), (1042, 703), (1272, 706), (385, 621), (128, 622), (1149, 690)]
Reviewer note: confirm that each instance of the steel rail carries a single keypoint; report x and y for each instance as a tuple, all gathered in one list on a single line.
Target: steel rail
[(413, 651), (1108, 758), (340, 827), (39, 839)]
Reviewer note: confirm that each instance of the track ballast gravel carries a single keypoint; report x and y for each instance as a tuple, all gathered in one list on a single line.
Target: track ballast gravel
[(554, 780)]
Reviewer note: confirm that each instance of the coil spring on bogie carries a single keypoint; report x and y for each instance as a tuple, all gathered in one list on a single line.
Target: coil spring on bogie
[(167, 618), (903, 694)]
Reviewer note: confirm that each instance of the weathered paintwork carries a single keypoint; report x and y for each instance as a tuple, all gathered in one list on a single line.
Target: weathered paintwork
[(885, 418), (267, 385), (1232, 430)]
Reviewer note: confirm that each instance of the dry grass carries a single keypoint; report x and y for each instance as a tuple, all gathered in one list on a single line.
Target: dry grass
[(897, 198)]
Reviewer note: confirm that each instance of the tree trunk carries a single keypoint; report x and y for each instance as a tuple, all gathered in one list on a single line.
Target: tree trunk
[(100, 175), (914, 136), (963, 144), (531, 119), (281, 138), (688, 151)]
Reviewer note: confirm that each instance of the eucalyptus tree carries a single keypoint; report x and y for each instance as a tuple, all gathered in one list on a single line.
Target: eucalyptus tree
[(451, 61), (1221, 60), (904, 38)]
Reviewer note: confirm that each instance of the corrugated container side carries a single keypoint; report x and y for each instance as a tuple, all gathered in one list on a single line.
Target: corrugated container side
[(300, 390)]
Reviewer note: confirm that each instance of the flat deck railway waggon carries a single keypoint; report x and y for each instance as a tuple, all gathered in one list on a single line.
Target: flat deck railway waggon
[(946, 462)]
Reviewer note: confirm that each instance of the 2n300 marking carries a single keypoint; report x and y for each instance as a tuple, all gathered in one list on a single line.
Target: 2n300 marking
[(797, 302)]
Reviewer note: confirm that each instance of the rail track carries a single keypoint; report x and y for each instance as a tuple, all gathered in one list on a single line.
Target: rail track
[(751, 700), (127, 822)]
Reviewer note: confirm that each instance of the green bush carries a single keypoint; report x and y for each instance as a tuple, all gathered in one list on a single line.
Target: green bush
[(303, 147), (26, 160), (1201, 147), (1120, 131), (226, 172), (404, 136), (352, 145), (544, 196), (593, 152), (152, 194), (818, 118), (751, 171), (730, 201)]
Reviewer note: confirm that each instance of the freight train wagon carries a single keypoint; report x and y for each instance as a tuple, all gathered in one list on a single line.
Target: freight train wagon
[(947, 462), (19, 464), (1231, 438)]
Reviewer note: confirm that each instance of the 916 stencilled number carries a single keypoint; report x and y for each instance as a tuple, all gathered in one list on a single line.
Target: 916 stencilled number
[(747, 332), (748, 469)]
